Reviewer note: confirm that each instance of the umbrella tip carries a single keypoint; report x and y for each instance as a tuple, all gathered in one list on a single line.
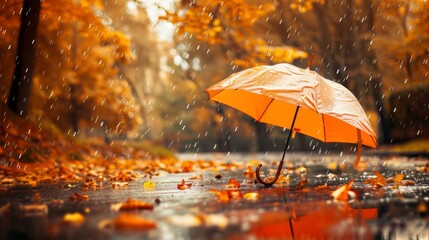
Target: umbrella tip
[(311, 60)]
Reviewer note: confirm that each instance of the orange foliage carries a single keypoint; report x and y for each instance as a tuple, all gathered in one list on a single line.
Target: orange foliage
[(76, 78), (231, 24)]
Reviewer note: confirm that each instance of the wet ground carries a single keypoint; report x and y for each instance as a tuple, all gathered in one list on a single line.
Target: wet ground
[(208, 208)]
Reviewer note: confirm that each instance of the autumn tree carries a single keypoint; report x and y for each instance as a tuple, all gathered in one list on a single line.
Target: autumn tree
[(401, 44), (76, 80)]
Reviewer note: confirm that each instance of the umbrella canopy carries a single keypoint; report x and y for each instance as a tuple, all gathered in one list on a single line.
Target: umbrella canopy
[(298, 99)]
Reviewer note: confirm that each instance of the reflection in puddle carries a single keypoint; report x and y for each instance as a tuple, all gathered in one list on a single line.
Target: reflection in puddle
[(332, 220)]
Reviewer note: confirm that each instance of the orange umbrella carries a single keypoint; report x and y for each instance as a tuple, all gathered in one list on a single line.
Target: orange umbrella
[(298, 99)]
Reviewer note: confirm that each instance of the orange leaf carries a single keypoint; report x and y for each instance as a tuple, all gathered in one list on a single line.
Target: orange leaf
[(133, 204), (73, 218), (342, 193), (127, 221), (233, 183), (183, 185)]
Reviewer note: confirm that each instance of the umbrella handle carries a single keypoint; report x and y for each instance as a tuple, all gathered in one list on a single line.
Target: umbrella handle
[(258, 175), (279, 168)]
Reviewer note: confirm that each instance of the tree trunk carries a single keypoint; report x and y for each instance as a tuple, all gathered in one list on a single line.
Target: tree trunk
[(74, 117), (25, 58)]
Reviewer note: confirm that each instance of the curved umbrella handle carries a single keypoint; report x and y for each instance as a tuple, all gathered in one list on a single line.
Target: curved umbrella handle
[(279, 168), (258, 175)]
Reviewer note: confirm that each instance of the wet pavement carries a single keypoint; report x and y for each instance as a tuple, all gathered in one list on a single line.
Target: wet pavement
[(208, 208)]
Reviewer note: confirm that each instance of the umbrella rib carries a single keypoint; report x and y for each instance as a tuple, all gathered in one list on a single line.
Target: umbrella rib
[(215, 93), (272, 99), (324, 128)]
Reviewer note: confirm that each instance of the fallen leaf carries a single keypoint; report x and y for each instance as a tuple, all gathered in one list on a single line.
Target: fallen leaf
[(396, 180), (148, 184), (378, 182), (132, 204), (407, 183), (199, 177), (119, 185), (73, 218), (79, 197), (227, 195), (249, 173), (187, 166), (342, 193), (183, 185), (232, 183), (128, 222)]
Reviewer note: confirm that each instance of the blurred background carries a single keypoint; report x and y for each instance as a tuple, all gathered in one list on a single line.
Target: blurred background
[(135, 71)]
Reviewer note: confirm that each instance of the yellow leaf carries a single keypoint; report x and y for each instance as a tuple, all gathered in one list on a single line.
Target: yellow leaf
[(73, 218), (149, 185)]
